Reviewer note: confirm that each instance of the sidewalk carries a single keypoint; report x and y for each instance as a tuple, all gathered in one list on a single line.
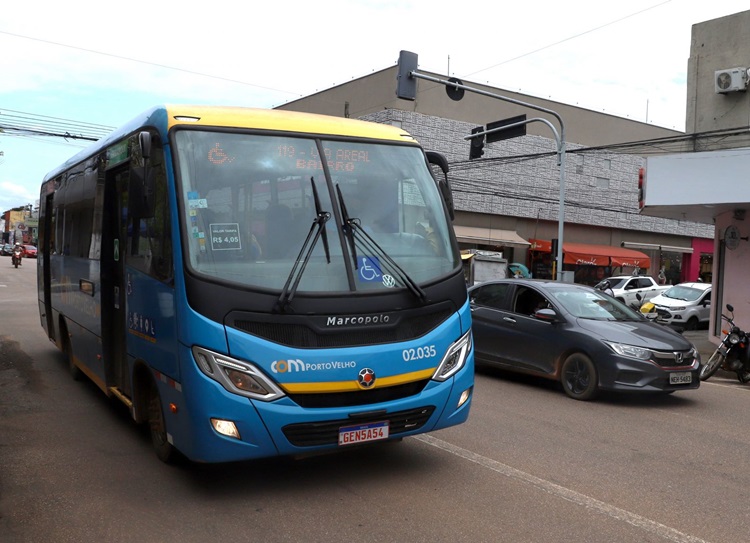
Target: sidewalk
[(699, 338)]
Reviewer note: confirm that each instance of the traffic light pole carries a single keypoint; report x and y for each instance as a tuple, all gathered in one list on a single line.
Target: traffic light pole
[(559, 138)]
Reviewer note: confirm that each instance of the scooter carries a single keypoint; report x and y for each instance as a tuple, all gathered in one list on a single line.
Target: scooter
[(654, 314), (732, 354), (16, 256)]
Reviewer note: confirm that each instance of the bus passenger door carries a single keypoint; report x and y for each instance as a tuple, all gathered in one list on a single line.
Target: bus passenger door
[(114, 240), (45, 253)]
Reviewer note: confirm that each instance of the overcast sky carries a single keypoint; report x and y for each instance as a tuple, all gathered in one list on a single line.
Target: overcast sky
[(106, 62)]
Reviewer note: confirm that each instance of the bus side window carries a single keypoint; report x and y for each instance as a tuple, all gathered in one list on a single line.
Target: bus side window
[(151, 249)]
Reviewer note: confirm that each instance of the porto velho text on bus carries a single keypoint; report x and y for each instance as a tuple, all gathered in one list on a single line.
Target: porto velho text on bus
[(253, 283)]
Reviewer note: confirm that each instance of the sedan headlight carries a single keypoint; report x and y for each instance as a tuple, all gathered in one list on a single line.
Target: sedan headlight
[(237, 376), (454, 359), (631, 351)]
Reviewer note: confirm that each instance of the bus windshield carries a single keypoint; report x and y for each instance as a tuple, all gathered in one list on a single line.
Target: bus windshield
[(249, 205)]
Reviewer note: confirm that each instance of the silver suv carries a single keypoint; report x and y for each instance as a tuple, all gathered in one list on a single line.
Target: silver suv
[(685, 306)]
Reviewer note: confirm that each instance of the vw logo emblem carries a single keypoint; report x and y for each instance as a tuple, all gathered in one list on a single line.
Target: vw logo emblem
[(389, 281), (366, 378)]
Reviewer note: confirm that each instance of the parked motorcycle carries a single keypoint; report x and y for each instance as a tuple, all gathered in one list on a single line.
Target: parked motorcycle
[(16, 256), (732, 354)]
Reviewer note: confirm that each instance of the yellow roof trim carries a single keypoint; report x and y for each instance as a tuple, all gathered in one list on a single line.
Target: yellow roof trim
[(283, 120), (352, 386)]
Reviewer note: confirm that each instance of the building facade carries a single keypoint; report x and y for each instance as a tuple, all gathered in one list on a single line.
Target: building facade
[(709, 180), (508, 200), (19, 225)]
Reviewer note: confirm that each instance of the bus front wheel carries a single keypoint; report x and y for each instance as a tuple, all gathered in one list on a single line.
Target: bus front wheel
[(158, 428), (67, 349)]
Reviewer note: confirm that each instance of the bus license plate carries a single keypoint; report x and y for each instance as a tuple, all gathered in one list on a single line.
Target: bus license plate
[(362, 433), (680, 378)]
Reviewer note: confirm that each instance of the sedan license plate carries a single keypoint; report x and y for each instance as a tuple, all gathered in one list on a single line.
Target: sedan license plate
[(362, 433), (680, 378)]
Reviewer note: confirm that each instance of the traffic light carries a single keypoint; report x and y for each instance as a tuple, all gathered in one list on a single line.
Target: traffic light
[(641, 188), (406, 84), (477, 143)]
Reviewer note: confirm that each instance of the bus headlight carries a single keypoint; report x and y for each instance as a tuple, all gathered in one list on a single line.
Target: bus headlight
[(454, 359), (237, 376)]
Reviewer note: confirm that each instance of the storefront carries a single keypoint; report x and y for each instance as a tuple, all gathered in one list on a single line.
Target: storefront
[(491, 239), (589, 263)]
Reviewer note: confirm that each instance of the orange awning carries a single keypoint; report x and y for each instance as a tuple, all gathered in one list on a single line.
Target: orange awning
[(586, 254)]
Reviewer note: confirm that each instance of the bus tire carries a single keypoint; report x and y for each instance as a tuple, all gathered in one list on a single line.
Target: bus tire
[(165, 451), (67, 349)]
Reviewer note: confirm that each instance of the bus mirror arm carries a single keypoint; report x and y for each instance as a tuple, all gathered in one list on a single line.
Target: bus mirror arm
[(444, 184), (144, 142)]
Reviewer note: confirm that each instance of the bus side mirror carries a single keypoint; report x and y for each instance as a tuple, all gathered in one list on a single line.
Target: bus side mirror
[(144, 142), (445, 187)]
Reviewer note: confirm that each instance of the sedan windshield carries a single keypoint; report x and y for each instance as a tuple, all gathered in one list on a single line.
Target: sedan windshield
[(250, 201), (591, 304)]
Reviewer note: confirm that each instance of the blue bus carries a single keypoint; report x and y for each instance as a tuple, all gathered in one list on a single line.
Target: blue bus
[(253, 283)]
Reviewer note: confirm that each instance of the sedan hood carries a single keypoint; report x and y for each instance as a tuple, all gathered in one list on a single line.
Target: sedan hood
[(638, 333)]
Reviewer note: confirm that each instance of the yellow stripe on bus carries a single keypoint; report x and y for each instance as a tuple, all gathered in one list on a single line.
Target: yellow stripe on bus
[(276, 119), (349, 386)]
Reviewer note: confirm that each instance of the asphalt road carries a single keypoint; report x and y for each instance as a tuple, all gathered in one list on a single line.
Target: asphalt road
[(530, 465)]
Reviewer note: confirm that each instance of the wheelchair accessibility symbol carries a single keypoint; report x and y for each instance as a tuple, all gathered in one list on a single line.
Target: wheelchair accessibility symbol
[(369, 269), (370, 272)]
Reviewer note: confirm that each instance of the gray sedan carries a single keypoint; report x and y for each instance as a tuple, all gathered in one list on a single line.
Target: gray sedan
[(579, 336)]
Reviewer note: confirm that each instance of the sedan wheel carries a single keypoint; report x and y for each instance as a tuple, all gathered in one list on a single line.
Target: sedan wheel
[(579, 378)]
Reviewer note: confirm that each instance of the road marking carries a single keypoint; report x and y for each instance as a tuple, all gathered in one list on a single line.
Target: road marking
[(565, 493), (735, 384)]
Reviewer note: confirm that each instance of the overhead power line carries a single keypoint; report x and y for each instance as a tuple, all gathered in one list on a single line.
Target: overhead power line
[(713, 140), (30, 124)]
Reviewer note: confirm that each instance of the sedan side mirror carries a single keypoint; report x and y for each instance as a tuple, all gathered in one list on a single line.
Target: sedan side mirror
[(547, 315)]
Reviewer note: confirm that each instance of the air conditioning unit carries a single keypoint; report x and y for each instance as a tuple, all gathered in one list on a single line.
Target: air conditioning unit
[(730, 80)]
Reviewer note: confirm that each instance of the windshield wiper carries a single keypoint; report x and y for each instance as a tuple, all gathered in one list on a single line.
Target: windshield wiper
[(317, 228), (358, 237), (347, 227)]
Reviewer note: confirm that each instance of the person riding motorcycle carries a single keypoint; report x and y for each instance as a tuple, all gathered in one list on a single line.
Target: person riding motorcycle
[(18, 253)]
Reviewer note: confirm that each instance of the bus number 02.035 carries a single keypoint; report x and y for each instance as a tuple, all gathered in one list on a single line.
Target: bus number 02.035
[(419, 353)]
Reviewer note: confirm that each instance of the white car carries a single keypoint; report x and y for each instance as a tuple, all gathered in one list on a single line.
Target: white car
[(686, 306), (633, 290)]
